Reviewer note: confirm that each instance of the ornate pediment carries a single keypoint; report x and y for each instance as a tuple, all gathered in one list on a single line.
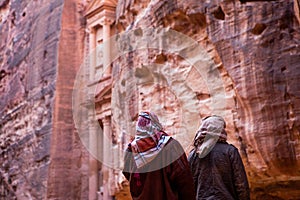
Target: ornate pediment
[(96, 6), (103, 89)]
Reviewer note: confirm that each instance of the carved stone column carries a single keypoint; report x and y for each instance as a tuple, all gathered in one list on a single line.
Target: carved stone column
[(93, 162), (100, 16), (93, 138), (92, 53), (106, 22), (107, 156)]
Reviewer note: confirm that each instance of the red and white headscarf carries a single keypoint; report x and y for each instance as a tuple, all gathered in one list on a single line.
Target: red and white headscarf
[(149, 138), (211, 131)]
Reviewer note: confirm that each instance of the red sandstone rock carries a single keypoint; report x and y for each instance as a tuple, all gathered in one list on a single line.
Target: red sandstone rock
[(254, 45)]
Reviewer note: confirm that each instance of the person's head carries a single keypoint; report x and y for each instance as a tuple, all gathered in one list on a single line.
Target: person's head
[(213, 123), (211, 126), (148, 122)]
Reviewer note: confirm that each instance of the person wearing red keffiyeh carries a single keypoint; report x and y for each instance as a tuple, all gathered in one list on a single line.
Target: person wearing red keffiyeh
[(155, 164)]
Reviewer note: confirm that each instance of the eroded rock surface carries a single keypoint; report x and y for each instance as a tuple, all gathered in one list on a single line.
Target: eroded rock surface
[(37, 70), (252, 45), (28, 63), (255, 46)]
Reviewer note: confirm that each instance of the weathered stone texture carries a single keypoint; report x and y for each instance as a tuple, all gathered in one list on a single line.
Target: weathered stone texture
[(41, 44), (28, 59), (255, 45), (67, 177)]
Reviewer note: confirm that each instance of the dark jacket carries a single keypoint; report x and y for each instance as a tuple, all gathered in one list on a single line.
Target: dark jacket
[(220, 175), (167, 177)]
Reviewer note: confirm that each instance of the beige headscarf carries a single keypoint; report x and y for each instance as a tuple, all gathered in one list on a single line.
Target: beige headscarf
[(211, 131)]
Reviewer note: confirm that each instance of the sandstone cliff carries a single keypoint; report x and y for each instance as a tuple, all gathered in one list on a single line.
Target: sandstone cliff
[(38, 63), (255, 47), (252, 45), (29, 34)]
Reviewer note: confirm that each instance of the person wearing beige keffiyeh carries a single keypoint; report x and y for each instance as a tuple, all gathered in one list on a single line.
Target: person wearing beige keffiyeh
[(211, 131), (217, 168)]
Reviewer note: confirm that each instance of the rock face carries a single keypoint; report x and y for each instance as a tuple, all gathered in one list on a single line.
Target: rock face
[(255, 46), (67, 174), (28, 64), (249, 73), (36, 67)]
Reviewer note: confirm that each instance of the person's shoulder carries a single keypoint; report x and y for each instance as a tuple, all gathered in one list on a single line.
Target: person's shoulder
[(174, 146), (233, 150), (231, 146), (224, 146), (173, 142)]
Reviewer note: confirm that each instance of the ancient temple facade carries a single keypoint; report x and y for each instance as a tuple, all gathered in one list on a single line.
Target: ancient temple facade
[(120, 82), (180, 86), (100, 16)]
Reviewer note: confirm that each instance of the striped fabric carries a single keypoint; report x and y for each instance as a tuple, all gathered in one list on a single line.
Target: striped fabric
[(149, 139), (146, 149)]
